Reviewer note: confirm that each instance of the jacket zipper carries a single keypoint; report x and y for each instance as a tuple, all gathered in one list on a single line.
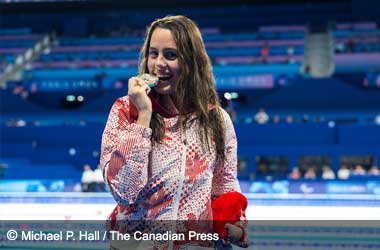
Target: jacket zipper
[(181, 179), (180, 185)]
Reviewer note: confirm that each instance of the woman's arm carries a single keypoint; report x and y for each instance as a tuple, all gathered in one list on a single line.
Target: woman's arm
[(225, 180), (125, 153)]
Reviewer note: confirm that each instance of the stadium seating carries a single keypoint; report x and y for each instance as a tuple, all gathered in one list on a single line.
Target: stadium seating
[(56, 142)]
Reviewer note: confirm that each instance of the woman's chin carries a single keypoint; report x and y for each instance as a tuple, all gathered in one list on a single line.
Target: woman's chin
[(164, 89)]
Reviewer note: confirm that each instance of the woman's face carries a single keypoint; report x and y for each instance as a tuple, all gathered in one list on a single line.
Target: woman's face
[(163, 60)]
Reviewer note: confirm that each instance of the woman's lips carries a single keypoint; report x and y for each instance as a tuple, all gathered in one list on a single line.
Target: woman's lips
[(164, 78)]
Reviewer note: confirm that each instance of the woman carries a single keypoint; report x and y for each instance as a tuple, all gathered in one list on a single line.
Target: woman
[(168, 151)]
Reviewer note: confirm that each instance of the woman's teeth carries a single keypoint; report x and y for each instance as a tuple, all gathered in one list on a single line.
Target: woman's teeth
[(164, 78)]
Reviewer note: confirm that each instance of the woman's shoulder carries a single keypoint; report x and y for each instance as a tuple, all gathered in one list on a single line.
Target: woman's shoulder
[(228, 121), (217, 108), (125, 108), (122, 102), (225, 115)]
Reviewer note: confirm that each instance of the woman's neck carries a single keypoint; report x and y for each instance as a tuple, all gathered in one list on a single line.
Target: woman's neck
[(168, 103)]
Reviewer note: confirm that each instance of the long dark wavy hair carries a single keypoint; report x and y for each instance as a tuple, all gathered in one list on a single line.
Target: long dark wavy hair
[(195, 89)]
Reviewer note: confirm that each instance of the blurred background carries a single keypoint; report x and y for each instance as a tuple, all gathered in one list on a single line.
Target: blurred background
[(300, 79)]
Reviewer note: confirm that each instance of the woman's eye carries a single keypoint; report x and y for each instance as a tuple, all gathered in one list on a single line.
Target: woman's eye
[(153, 53), (171, 55)]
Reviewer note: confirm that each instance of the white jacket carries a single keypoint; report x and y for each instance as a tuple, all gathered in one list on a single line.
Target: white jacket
[(173, 180)]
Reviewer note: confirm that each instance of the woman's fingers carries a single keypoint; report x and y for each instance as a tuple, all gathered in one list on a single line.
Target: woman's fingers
[(138, 91), (234, 233), (136, 84)]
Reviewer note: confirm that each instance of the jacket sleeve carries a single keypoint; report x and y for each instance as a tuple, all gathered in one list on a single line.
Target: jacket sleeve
[(125, 153), (225, 175)]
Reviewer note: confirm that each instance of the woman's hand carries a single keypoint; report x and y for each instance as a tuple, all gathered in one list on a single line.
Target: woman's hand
[(234, 233), (138, 91)]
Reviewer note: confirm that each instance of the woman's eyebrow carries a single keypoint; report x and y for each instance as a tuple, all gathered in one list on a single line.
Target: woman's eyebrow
[(164, 49), (170, 49)]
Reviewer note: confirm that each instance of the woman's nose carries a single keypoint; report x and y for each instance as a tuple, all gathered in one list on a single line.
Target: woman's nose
[(161, 61)]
